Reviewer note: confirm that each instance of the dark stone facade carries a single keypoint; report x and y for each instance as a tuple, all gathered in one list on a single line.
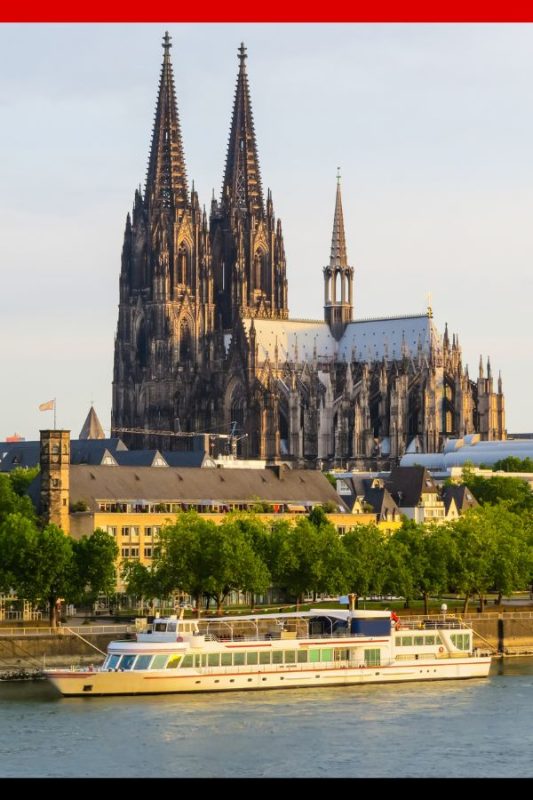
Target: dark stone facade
[(204, 341)]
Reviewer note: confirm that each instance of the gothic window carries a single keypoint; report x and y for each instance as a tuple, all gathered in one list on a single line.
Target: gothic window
[(185, 342), (184, 266), (257, 271), (336, 287), (143, 347)]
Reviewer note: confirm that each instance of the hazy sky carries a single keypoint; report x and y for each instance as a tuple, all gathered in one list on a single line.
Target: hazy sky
[(432, 126)]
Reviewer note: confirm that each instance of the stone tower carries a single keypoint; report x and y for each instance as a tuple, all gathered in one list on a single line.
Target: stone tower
[(338, 276), (246, 239), (166, 312), (55, 478)]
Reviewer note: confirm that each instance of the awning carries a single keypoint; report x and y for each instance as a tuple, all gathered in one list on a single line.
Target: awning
[(296, 508)]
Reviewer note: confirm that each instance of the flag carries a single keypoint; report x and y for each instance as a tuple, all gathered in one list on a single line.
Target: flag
[(49, 406)]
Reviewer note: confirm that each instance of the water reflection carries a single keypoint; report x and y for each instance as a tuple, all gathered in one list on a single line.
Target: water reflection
[(478, 727)]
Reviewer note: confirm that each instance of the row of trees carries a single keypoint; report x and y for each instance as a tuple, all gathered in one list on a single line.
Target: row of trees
[(43, 565), (488, 549)]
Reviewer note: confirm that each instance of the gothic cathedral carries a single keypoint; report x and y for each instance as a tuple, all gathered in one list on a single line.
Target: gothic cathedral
[(204, 341)]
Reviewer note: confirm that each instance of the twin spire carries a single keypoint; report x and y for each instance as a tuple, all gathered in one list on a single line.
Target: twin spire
[(166, 180), (242, 177)]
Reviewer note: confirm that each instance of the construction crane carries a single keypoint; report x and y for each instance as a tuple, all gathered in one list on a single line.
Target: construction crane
[(231, 437)]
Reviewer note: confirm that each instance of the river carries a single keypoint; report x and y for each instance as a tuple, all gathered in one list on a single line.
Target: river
[(477, 728)]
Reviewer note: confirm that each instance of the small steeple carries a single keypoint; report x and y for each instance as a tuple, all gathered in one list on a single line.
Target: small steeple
[(446, 340), (481, 366), (92, 429), (500, 386), (489, 371), (166, 180), (338, 257), (242, 177)]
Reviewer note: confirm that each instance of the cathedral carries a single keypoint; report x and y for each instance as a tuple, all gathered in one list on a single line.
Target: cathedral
[(205, 344)]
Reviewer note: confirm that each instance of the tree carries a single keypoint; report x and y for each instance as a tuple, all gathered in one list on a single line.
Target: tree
[(514, 492), (37, 564), (95, 558), (307, 558), (11, 502), (513, 464), (21, 477), (428, 553), (142, 581), (364, 549), (471, 567)]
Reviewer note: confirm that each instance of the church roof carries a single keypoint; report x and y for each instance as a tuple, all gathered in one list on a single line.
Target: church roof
[(92, 429), (364, 340)]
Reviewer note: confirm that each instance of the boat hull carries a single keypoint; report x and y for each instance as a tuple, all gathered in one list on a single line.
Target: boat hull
[(99, 683)]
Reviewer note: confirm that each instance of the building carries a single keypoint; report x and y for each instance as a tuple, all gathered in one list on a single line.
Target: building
[(132, 503), (205, 343)]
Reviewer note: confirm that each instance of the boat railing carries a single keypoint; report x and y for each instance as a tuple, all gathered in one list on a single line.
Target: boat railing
[(428, 623), (266, 637)]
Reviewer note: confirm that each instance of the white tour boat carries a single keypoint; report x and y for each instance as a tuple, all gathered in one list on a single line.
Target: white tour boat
[(274, 651)]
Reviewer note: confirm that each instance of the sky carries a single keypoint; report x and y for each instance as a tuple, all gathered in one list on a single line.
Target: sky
[(431, 125)]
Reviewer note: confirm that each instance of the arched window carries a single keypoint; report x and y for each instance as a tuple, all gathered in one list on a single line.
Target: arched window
[(185, 342), (257, 271), (184, 271), (143, 347)]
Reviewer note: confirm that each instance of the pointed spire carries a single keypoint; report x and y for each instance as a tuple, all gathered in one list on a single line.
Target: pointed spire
[(446, 341), (481, 366), (500, 386), (338, 257), (92, 429), (242, 178), (166, 181), (489, 371)]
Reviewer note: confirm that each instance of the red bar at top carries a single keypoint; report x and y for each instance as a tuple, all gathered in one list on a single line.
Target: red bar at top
[(267, 11)]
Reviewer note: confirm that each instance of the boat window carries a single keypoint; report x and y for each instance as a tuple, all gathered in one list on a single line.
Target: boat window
[(290, 656), (126, 662), (314, 656), (430, 640), (171, 626), (251, 658), (373, 657), (238, 659), (277, 657), (419, 640), (407, 641), (187, 661), (143, 662), (213, 659), (302, 656), (225, 659), (174, 662), (159, 662), (342, 655), (264, 658), (326, 655), (197, 661), (461, 640), (160, 627), (112, 661)]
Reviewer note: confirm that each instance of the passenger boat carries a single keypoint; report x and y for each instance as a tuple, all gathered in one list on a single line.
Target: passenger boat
[(277, 651)]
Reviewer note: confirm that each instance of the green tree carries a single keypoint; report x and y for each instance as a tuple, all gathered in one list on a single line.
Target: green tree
[(364, 548), (37, 564), (21, 477), (471, 567), (428, 553), (13, 503), (142, 581), (514, 492), (95, 558), (513, 464)]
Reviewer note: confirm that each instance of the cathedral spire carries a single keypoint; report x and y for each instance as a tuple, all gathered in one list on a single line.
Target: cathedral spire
[(166, 180), (338, 257), (242, 178)]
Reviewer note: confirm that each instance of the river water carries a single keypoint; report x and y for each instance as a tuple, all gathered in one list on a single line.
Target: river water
[(476, 728)]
